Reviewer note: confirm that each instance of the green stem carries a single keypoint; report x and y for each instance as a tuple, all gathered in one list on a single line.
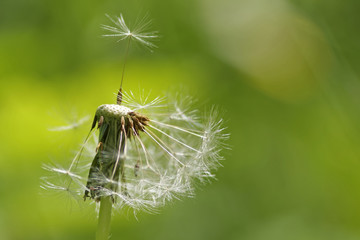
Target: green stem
[(103, 230)]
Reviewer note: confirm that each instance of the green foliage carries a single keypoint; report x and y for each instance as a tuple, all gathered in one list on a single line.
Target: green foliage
[(293, 170)]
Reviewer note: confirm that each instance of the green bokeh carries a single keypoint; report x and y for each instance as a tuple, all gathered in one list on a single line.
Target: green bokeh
[(286, 73)]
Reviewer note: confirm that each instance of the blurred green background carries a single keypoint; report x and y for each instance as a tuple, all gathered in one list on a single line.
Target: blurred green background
[(286, 72)]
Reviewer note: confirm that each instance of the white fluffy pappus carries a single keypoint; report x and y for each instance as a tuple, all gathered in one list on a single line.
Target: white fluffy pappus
[(150, 151), (138, 33)]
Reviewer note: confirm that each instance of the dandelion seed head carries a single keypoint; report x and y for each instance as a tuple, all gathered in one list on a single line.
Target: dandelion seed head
[(158, 156), (149, 151)]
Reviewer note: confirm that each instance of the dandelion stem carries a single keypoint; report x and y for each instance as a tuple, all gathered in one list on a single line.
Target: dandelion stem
[(125, 58), (103, 230), (119, 97)]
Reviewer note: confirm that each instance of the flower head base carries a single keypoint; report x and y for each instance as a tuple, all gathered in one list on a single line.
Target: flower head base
[(148, 156), (117, 125), (122, 31)]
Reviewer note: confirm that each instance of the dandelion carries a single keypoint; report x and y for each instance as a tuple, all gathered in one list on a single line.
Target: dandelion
[(149, 151)]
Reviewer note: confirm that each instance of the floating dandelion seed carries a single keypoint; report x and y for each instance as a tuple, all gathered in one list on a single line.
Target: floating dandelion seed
[(149, 151), (138, 34), (70, 125)]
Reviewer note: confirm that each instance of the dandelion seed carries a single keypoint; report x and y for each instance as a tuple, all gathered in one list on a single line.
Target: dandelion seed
[(138, 34)]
